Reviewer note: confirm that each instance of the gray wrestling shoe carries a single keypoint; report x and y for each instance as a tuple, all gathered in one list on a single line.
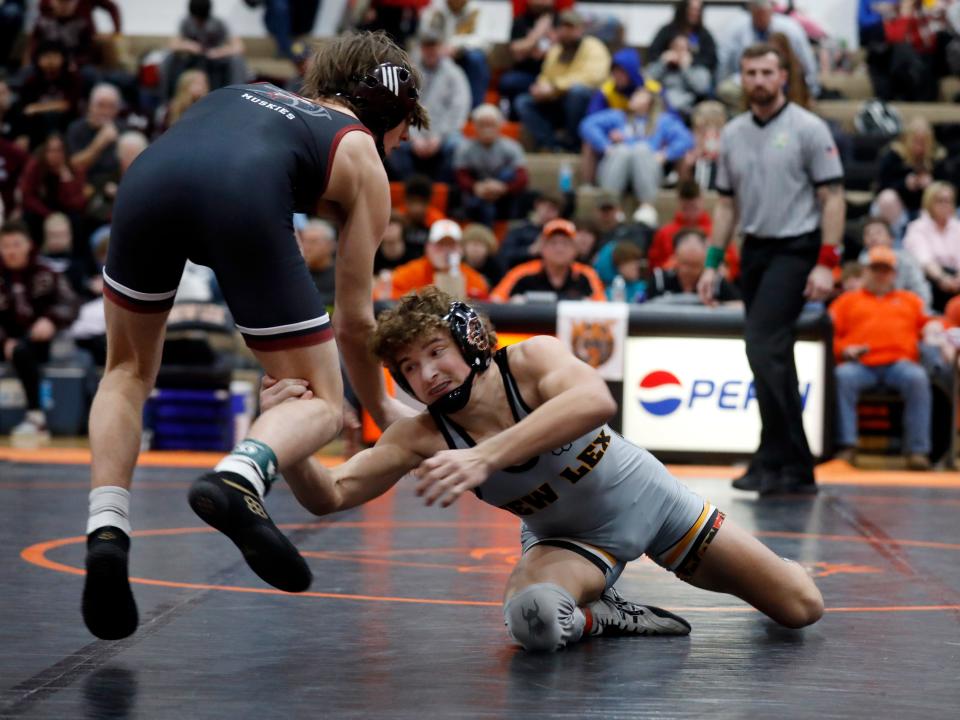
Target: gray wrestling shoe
[(612, 615)]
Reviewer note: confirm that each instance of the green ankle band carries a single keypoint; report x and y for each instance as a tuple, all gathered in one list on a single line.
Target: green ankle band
[(261, 455)]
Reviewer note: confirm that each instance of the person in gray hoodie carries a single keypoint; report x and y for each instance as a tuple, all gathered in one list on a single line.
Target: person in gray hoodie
[(446, 95)]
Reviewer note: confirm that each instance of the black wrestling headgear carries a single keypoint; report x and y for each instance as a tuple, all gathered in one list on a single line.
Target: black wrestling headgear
[(469, 334), (383, 98)]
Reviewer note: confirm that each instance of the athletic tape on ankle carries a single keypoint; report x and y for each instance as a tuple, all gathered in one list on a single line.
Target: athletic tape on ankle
[(109, 506), (262, 457)]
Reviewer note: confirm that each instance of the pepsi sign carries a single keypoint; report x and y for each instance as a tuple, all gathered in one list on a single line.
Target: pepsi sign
[(697, 394), (661, 393)]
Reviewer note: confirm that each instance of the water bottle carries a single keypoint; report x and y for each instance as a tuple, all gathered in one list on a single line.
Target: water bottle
[(618, 289), (452, 281), (453, 261), (46, 395), (565, 178), (383, 285)]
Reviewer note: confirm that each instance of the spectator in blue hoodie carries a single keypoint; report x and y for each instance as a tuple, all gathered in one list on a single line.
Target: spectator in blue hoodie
[(625, 77), (635, 145)]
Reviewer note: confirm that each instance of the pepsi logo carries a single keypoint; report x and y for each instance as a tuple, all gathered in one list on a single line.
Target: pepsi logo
[(659, 393)]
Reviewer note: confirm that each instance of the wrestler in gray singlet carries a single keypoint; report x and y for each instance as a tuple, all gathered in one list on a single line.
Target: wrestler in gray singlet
[(600, 496)]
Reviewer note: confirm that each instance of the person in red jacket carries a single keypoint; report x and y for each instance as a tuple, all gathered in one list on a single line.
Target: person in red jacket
[(35, 301), (877, 331), (48, 185), (85, 10), (912, 36), (690, 215)]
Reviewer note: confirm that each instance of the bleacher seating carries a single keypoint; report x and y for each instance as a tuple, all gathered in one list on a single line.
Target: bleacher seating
[(260, 54), (844, 111)]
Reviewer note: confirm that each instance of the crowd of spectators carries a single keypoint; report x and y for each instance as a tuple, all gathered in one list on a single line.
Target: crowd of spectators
[(467, 212)]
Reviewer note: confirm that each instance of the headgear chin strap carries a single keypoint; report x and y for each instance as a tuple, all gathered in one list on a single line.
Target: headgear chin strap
[(470, 336), (457, 399), (383, 98)]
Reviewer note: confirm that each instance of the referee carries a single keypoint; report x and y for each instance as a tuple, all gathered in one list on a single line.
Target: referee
[(780, 174)]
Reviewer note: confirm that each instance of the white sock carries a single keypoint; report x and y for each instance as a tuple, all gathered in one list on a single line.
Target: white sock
[(245, 468), (109, 505)]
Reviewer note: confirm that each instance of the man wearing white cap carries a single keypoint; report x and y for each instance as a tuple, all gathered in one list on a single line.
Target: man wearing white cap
[(441, 265)]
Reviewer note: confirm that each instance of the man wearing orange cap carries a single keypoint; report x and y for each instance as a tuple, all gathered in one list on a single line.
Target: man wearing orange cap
[(556, 272), (877, 330)]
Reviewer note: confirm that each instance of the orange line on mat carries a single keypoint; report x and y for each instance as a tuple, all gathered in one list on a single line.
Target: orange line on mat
[(37, 555), (152, 458), (830, 473), (836, 472)]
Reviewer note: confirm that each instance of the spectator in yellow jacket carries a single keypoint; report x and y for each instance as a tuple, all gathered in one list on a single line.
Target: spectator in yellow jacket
[(572, 69)]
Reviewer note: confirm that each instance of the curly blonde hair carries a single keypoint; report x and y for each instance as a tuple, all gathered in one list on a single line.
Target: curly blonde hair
[(416, 314)]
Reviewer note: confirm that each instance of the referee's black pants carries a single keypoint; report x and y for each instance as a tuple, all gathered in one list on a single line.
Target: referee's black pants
[(773, 277)]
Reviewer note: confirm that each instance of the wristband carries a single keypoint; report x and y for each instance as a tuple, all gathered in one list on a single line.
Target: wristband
[(828, 256), (714, 257)]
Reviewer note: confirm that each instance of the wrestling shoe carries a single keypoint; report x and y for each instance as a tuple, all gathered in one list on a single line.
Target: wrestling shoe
[(228, 503), (612, 615), (109, 609)]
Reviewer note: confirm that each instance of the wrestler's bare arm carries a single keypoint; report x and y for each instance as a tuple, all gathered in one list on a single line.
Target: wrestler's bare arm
[(571, 398), (358, 184), (369, 473)]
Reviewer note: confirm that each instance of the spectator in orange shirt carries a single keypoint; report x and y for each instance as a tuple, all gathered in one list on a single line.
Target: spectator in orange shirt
[(877, 331), (444, 251), (557, 271)]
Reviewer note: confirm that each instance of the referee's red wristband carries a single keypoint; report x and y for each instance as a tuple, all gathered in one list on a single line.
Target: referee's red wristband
[(828, 256)]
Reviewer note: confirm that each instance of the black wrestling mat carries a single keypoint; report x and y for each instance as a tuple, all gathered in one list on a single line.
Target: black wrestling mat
[(404, 621)]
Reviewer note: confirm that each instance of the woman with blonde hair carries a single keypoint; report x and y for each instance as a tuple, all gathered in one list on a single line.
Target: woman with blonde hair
[(934, 240), (700, 163), (911, 163), (635, 145), (797, 90), (191, 86)]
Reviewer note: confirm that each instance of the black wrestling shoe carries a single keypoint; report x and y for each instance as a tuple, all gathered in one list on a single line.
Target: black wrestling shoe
[(227, 502), (109, 610), (613, 615)]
